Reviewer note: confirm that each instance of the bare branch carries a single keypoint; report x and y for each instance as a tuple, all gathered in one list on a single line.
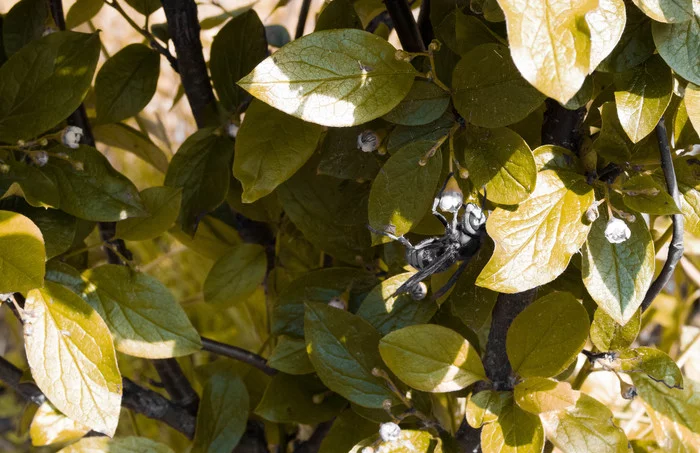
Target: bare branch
[(301, 23), (405, 24), (239, 354)]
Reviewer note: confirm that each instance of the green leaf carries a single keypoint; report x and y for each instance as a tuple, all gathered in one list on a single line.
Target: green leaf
[(343, 349), (126, 83), (527, 254), (36, 187), (348, 429), (236, 49), (488, 89), (96, 191), (677, 44), (318, 286), (50, 426), (643, 193), (539, 395), (642, 96), (265, 159), (635, 45), (213, 240), (608, 335), (362, 81), (586, 426), (45, 82), (202, 168), (410, 353), (340, 157), (514, 431), (425, 103), (547, 336), (401, 175), (294, 399), (145, 7), (82, 11), (331, 212), (485, 406), (612, 142), (142, 314), (125, 137), (500, 160), (163, 206), (129, 444), (25, 22), (462, 33), (236, 275), (402, 136), (654, 363), (222, 415), (692, 104), (290, 356), (556, 45), (617, 276), (22, 254), (387, 313), (688, 175), (680, 406), (552, 157), (71, 355), (57, 228), (668, 11), (338, 14)]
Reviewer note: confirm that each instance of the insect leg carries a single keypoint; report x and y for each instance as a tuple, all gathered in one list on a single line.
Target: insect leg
[(451, 282), (405, 242)]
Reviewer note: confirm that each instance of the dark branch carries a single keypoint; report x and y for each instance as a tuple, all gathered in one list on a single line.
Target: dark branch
[(183, 26), (12, 376), (239, 354), (303, 14), (405, 25), (176, 384), (675, 248), (425, 27), (562, 127)]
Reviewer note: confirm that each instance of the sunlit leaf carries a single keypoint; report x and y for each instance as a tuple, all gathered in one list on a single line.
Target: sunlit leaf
[(264, 159), (556, 45), (142, 314), (222, 415), (163, 205), (344, 350), (485, 407), (45, 82), (692, 104), (500, 160), (535, 242), (617, 276), (488, 89), (668, 11), (401, 175), (235, 276), (362, 81), (22, 253), (653, 362), (608, 335), (514, 431), (678, 43), (635, 45), (202, 168), (409, 441), (688, 175), (642, 96), (680, 406), (50, 426), (71, 356), (538, 395), (410, 353), (547, 336)]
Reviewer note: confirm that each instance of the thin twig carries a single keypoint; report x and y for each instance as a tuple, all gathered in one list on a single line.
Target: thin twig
[(675, 247), (405, 24), (239, 354), (303, 14)]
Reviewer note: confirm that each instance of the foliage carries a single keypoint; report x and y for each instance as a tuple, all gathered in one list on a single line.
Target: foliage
[(245, 294)]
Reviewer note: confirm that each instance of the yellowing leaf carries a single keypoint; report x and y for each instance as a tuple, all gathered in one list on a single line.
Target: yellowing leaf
[(514, 431), (688, 174), (651, 361), (692, 104), (22, 254), (402, 174), (500, 160), (607, 335), (410, 353), (71, 356), (485, 407), (50, 426), (362, 81), (265, 159), (163, 205), (672, 435), (617, 276), (535, 242), (120, 445), (556, 45), (409, 441), (538, 395), (642, 97), (235, 276), (488, 89), (678, 43), (668, 11), (142, 314), (547, 336)]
